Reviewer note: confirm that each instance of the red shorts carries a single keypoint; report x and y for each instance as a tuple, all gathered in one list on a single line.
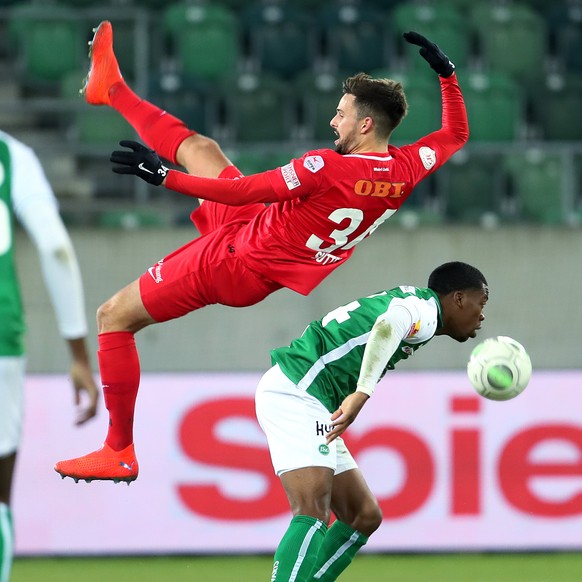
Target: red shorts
[(206, 270)]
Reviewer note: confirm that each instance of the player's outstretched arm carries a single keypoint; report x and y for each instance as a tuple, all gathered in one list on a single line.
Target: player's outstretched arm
[(139, 161), (429, 51), (147, 165)]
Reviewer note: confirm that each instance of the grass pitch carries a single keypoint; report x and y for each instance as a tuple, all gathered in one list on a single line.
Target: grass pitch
[(555, 567)]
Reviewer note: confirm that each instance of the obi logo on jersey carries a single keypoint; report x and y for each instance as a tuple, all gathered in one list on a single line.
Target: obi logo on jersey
[(379, 188)]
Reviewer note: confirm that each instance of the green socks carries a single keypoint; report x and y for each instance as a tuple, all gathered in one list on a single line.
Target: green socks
[(298, 550), (6, 542), (339, 547)]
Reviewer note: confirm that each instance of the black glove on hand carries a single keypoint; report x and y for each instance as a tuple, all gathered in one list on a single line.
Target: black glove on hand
[(431, 53), (142, 162)]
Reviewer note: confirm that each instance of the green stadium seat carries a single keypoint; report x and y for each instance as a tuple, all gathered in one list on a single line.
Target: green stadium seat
[(536, 181), (495, 106), (470, 186), (185, 98), (49, 43), (101, 127), (203, 38), (250, 161), (512, 39), (318, 95), (355, 36), (565, 27), (556, 105), (91, 126), (442, 23), (258, 108), (280, 37)]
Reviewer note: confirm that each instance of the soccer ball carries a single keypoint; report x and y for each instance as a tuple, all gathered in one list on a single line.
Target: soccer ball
[(499, 368)]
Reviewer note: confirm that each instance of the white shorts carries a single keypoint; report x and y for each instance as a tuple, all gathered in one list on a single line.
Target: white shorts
[(12, 372), (295, 424)]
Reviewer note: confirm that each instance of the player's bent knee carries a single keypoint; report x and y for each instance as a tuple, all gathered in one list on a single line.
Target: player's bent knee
[(369, 519), (111, 316)]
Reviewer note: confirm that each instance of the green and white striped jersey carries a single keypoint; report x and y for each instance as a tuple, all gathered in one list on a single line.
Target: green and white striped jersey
[(27, 197), (11, 314), (327, 358)]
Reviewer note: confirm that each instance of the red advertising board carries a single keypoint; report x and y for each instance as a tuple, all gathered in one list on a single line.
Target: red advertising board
[(452, 470)]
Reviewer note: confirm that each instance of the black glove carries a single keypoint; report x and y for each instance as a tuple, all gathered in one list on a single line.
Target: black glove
[(142, 162), (431, 53)]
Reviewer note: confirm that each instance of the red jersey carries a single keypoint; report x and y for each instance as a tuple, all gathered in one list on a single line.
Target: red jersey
[(323, 204)]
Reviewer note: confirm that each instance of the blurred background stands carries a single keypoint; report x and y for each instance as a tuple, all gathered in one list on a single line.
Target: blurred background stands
[(264, 78)]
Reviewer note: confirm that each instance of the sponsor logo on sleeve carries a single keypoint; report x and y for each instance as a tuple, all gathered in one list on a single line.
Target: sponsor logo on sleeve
[(414, 329), (313, 163), (427, 157), (290, 176)]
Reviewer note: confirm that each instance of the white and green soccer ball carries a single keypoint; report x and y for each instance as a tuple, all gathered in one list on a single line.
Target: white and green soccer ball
[(499, 368)]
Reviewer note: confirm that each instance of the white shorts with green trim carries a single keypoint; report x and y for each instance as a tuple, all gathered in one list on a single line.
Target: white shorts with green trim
[(296, 424), (12, 372)]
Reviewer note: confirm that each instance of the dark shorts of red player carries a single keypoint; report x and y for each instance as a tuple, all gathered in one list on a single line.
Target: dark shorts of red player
[(206, 270)]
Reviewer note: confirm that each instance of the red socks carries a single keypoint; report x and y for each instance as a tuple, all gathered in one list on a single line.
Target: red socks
[(120, 374), (158, 129)]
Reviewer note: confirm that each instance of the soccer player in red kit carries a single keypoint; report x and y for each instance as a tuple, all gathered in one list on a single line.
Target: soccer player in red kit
[(321, 206)]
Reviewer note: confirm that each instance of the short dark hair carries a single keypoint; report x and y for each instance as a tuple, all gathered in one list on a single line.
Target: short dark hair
[(455, 276), (381, 99)]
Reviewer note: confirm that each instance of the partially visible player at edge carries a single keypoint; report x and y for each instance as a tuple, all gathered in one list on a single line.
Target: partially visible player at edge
[(317, 387), (26, 195), (322, 205)]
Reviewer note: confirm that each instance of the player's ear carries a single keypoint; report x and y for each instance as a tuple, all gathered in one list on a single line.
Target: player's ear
[(459, 298), (366, 125)]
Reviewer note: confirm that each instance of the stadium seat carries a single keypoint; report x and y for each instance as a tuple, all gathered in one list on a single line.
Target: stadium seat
[(281, 39), (512, 39), (93, 127), (442, 23), (565, 26), (203, 38), (187, 99), (355, 36), (49, 43), (253, 161), (536, 181), (556, 104), (470, 186), (258, 108), (495, 106), (318, 95)]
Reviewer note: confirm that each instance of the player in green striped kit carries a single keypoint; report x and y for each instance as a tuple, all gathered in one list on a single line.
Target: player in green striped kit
[(25, 194), (316, 388)]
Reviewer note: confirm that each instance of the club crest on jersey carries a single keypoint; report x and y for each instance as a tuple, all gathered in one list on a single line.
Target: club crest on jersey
[(414, 329), (313, 163), (290, 176), (408, 350), (427, 157)]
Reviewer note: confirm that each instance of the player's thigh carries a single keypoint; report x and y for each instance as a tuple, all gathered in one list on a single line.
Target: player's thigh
[(12, 375), (202, 156), (295, 424)]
